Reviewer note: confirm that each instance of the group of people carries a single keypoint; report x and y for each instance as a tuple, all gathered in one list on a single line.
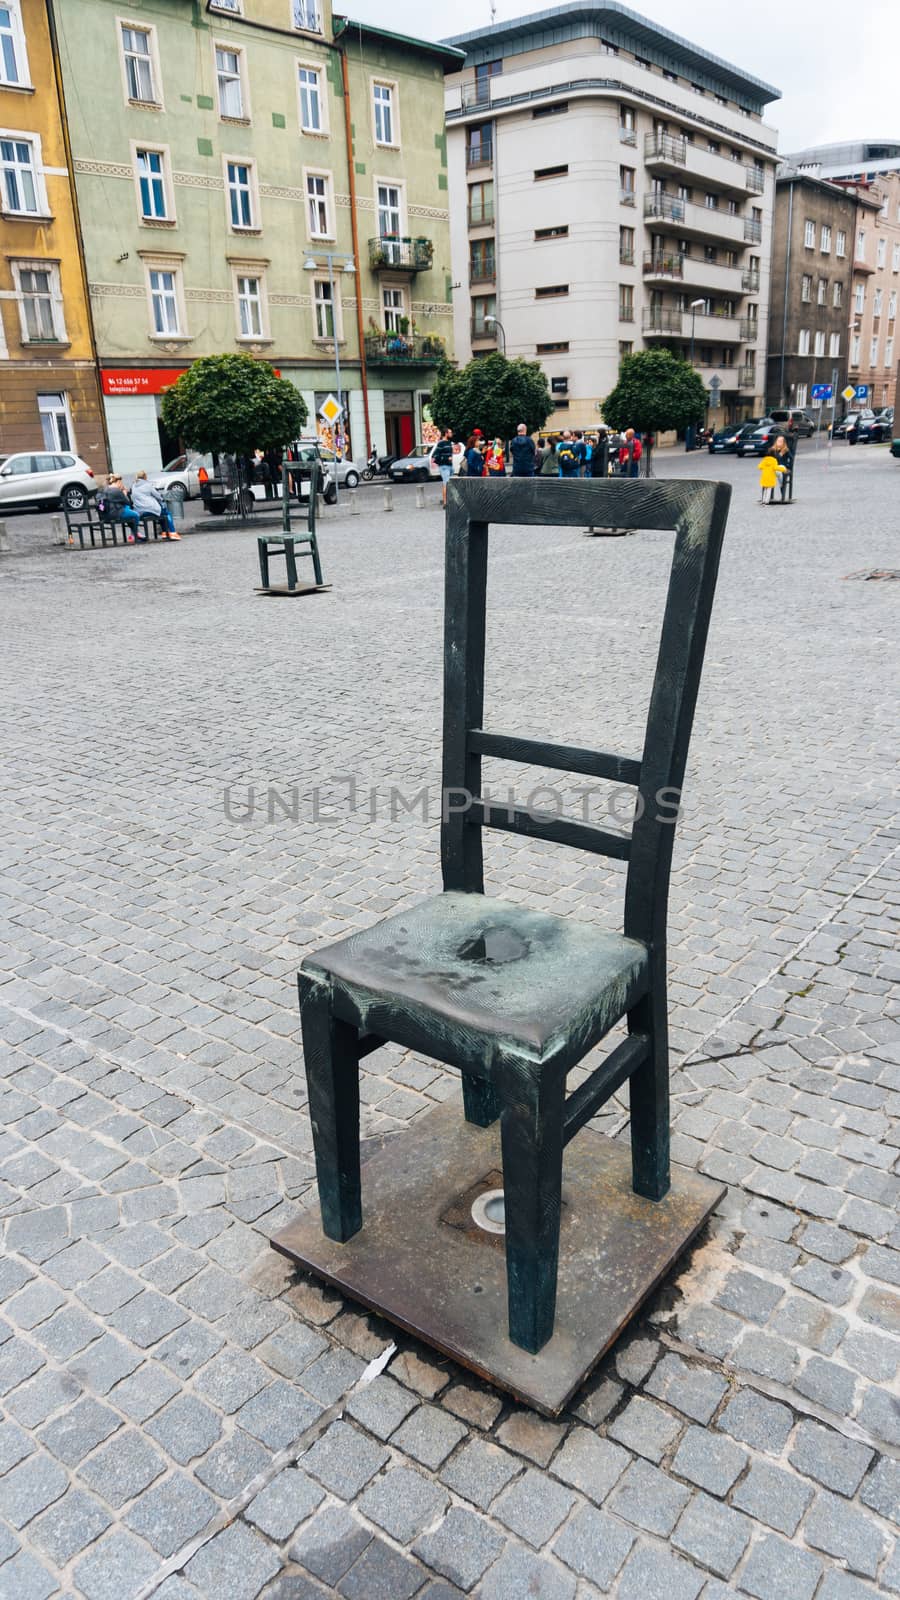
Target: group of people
[(574, 455), (776, 466), (118, 504)]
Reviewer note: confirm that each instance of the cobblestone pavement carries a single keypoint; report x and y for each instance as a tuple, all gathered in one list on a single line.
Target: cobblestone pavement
[(181, 1415)]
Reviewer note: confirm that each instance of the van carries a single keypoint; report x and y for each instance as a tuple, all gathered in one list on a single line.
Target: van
[(795, 419)]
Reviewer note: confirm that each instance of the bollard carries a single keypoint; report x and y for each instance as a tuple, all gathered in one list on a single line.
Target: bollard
[(354, 503), (388, 499), (58, 535), (4, 541), (420, 497)]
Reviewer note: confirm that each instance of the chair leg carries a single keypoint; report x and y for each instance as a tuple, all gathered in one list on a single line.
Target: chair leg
[(531, 1133), (290, 562), (649, 1095), (480, 1102), (331, 1055), (317, 565)]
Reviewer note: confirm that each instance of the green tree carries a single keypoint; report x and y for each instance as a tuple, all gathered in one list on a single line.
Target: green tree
[(233, 404), (492, 394), (656, 391)]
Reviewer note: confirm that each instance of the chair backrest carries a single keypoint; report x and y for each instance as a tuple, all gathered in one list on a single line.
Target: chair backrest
[(697, 512)]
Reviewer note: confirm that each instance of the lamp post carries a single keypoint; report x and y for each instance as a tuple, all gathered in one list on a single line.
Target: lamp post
[(312, 264), (689, 440), (498, 324)]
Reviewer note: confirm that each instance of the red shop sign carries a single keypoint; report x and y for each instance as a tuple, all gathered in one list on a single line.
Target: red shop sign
[(139, 380)]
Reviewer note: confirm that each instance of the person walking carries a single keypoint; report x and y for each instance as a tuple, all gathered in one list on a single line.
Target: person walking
[(523, 453), (442, 456), (630, 455), (145, 500), (784, 451), (495, 460), (769, 469)]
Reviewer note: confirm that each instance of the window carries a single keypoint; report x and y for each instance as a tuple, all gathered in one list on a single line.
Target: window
[(164, 300), (483, 307), (837, 293), (550, 172), (627, 133), (551, 291), (393, 305), (822, 291), (20, 179), (626, 246), (305, 15), (317, 207), (803, 342), (555, 347), (609, 49), (861, 244), (390, 221), (834, 344), (889, 353), (311, 99), (228, 82), (840, 243), (809, 234), (711, 202), (152, 187), (881, 253), (40, 301), (482, 267), (551, 111), (714, 147), (895, 258), (234, 6), (820, 343), (626, 348), (323, 308), (250, 307), (383, 106), (480, 144), (626, 302), (873, 352), (854, 350), (559, 232), (13, 61), (805, 287), (825, 239), (878, 301), (239, 186), (802, 394), (56, 422), (481, 203), (859, 299), (626, 185), (138, 56), (892, 305)]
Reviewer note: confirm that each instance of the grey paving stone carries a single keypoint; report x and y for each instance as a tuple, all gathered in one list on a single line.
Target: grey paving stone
[(72, 1523), (840, 1586), (461, 1549), (328, 1546), (749, 1296), (773, 1496), (649, 1499), (104, 1364), (590, 1464), (714, 1332), (712, 1463), (144, 1393), (109, 1290), (35, 1401), (428, 1435), (344, 1460), (881, 1489), (871, 1354), (829, 1458), (651, 1574), (293, 1347), (766, 1355), (712, 1534), (881, 1308), (381, 1573), (14, 1445), (831, 1284), (840, 1530), (34, 1304), (534, 1507), (30, 1488), (595, 1546), (635, 1357), (756, 1421), (188, 1349), (24, 1578), (279, 1414), (530, 1435), (171, 1513), (118, 1565), (478, 1406), (519, 1573), (122, 1468), (283, 1504), (404, 1503), (232, 1465), (776, 1570), (231, 1379), (831, 1244), (690, 1388), (66, 1333), (645, 1428), (381, 1406), (186, 1428), (79, 1430), (890, 1575), (235, 1562), (804, 1322), (478, 1471), (148, 1318), (331, 1375), (828, 1384)]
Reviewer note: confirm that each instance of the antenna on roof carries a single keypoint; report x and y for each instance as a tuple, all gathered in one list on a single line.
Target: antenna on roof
[(493, 6)]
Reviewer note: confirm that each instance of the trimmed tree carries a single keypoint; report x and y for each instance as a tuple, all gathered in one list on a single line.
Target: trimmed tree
[(656, 391), (231, 405), (493, 394)]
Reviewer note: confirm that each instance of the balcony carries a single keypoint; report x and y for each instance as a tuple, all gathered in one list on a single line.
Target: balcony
[(747, 377), (627, 136), (404, 349), (752, 231), (626, 197), (749, 329), (480, 155), (755, 180), (481, 332), (481, 216), (750, 281), (664, 152), (475, 96), (484, 271), (658, 264), (717, 328), (626, 255), (660, 319), (695, 221), (859, 265), (400, 255)]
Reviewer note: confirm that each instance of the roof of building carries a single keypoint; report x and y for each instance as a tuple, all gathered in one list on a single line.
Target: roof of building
[(507, 37), (444, 50), (849, 158)]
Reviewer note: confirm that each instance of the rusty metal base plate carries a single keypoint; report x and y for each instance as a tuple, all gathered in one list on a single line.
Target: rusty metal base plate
[(300, 588), (420, 1261)]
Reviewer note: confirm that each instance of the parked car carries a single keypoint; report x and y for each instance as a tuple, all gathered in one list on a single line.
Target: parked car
[(348, 472), (42, 479), (183, 475), (759, 439), (795, 420), (876, 431), (851, 422), (728, 439), (419, 465), (217, 493), (885, 415)]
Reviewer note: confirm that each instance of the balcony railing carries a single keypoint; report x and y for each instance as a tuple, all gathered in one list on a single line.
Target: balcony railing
[(481, 216), (400, 254), (660, 264), (663, 147), (626, 197), (483, 271), (752, 230), (627, 136), (747, 377), (659, 319), (626, 255), (626, 312), (480, 155), (404, 349), (476, 95), (664, 206), (750, 281), (755, 179), (749, 328), (479, 329)]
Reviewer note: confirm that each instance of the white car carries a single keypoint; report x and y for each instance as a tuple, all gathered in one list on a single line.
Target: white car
[(419, 465), (183, 475), (42, 478), (348, 471)]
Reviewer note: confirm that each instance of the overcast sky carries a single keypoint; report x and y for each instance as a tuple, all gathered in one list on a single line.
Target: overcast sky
[(836, 63)]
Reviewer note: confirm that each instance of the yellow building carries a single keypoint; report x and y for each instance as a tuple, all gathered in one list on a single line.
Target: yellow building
[(49, 391)]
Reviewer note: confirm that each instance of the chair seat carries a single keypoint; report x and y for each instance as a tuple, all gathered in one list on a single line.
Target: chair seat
[(461, 976)]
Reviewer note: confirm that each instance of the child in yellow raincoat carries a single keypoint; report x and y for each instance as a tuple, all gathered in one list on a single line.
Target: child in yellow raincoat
[(770, 469)]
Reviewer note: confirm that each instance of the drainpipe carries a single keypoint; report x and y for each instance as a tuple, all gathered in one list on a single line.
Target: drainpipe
[(354, 232), (787, 276), (67, 146)]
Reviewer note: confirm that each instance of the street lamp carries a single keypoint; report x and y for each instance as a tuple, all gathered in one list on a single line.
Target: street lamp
[(689, 440), (498, 324), (347, 265)]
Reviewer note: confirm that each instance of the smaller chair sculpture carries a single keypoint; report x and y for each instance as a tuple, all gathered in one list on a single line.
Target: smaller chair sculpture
[(510, 997)]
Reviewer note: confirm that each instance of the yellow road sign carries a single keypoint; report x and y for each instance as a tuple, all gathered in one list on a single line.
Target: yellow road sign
[(849, 393)]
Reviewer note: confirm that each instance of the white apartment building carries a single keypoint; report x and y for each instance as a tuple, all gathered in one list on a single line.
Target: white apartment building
[(612, 188)]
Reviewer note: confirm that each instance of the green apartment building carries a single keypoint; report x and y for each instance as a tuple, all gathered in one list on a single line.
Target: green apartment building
[(222, 210)]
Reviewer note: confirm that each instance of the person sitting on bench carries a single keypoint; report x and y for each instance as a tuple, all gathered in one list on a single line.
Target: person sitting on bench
[(146, 501), (113, 506)]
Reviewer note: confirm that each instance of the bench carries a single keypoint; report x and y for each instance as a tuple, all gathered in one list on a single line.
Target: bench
[(90, 526)]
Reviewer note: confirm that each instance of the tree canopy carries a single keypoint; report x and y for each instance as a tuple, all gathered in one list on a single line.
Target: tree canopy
[(233, 404), (493, 394), (656, 390)]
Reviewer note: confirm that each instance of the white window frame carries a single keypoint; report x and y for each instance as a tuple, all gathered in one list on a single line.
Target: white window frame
[(840, 242), (825, 239), (889, 352), (837, 293), (854, 350), (402, 309), (877, 301), (26, 264), (802, 394), (391, 183), (21, 136), (231, 8), (809, 234), (860, 244), (246, 268), (16, 35), (158, 102), (254, 225), (873, 351), (819, 344), (803, 342), (242, 79), (327, 197), (393, 143), (170, 219), (834, 344), (162, 262), (859, 299), (306, 16), (822, 292), (892, 305), (881, 253), (324, 129), (895, 258), (321, 281), (53, 411), (806, 287)]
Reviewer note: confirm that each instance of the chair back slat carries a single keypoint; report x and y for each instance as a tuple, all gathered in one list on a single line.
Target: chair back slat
[(556, 830), (559, 757)]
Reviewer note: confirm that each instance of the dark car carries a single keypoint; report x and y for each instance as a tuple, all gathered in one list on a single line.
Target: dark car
[(727, 440), (758, 440), (795, 420), (852, 422), (874, 431)]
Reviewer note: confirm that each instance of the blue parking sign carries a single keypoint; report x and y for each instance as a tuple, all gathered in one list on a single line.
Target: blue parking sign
[(862, 391)]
